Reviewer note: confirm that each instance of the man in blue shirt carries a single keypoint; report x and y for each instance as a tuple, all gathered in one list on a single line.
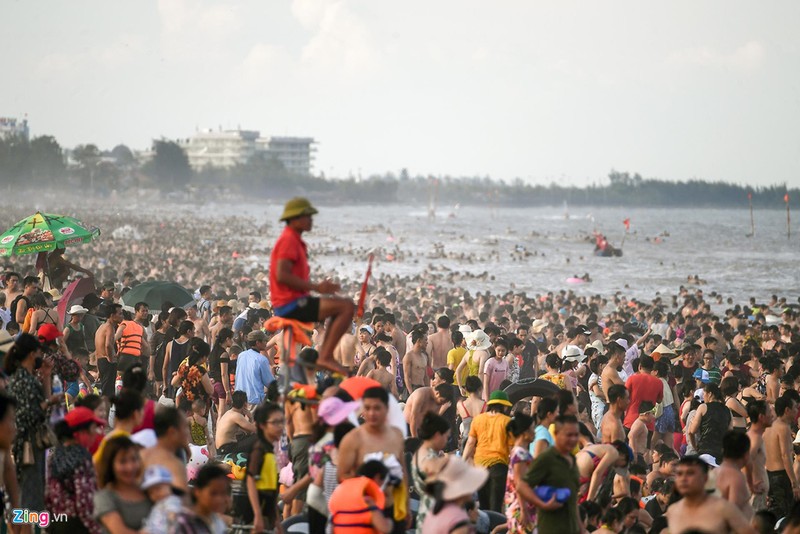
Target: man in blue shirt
[(253, 373)]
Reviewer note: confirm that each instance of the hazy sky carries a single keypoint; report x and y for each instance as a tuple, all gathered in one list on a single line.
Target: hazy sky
[(555, 90)]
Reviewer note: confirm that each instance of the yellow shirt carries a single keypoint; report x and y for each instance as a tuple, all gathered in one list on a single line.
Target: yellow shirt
[(493, 442), (454, 357)]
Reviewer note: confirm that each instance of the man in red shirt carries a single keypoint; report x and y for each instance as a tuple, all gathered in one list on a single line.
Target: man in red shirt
[(642, 386), (290, 288)]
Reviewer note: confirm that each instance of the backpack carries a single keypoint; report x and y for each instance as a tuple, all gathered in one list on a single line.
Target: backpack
[(14, 304)]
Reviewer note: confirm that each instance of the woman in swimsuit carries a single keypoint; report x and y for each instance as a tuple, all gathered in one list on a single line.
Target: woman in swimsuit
[(730, 389), (42, 313), (470, 407), (595, 461)]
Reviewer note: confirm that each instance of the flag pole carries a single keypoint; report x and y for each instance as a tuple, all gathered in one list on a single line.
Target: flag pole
[(752, 220), (627, 223), (788, 217)]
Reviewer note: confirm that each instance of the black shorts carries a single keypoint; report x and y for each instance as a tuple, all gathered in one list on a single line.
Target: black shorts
[(126, 361), (306, 310), (108, 377)]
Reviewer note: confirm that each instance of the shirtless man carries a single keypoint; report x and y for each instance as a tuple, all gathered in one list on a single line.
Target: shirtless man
[(424, 400), (698, 511), (385, 340), (106, 350), (300, 420), (761, 417), (384, 370), (232, 424), (374, 436), (610, 375), (611, 428), (172, 433), (415, 363), (637, 437), (439, 343), (200, 324), (224, 319), (783, 486), (398, 336), (666, 468), (12, 289), (345, 351), (731, 482)]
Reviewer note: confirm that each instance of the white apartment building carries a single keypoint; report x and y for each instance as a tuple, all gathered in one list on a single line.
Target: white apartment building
[(228, 148), (222, 149)]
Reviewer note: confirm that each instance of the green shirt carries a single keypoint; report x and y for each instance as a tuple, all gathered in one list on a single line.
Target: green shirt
[(550, 468)]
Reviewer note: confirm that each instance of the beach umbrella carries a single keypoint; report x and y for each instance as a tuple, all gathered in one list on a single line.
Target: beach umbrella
[(156, 293), (530, 387), (43, 232), (74, 292)]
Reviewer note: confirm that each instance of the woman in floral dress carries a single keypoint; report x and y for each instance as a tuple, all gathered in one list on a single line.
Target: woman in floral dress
[(520, 512), (192, 375), (72, 481), (196, 389), (29, 383)]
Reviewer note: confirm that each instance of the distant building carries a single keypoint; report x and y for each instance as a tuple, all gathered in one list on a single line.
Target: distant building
[(10, 127), (227, 148), (296, 153), (223, 149)]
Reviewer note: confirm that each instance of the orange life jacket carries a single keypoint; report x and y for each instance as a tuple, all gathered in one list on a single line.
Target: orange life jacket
[(131, 341), (349, 512)]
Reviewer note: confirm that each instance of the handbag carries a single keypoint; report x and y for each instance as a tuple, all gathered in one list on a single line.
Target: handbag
[(27, 454), (44, 437)]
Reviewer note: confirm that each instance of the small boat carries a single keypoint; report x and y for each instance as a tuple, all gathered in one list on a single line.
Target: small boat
[(608, 252), (604, 249)]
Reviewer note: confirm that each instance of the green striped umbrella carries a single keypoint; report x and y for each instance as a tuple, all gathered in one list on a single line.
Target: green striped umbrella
[(43, 232)]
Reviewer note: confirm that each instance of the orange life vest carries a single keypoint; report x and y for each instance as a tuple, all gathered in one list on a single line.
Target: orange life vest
[(131, 341), (349, 512)]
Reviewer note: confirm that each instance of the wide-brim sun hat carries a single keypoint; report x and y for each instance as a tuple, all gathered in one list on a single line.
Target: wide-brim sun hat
[(597, 344), (334, 410), (573, 353), (460, 478), (297, 207), (538, 325), (663, 349), (77, 309), (478, 340)]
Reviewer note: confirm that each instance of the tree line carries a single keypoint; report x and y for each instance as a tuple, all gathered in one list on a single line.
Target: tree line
[(42, 162)]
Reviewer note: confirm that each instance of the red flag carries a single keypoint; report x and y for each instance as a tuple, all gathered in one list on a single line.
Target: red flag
[(627, 223), (786, 198), (749, 196)]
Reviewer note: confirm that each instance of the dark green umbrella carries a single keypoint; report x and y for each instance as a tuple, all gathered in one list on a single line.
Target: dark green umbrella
[(155, 294)]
